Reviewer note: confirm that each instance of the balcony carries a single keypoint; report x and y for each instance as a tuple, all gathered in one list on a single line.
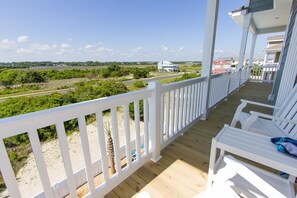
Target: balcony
[(182, 171), (171, 134)]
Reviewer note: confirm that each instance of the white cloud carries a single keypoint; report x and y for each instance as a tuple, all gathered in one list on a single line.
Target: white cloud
[(164, 48), (40, 47), (23, 50), (104, 49), (88, 46), (181, 48), (7, 44), (22, 39), (219, 51), (65, 46), (137, 49)]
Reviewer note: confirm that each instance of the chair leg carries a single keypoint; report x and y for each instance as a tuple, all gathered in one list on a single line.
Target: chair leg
[(212, 161)]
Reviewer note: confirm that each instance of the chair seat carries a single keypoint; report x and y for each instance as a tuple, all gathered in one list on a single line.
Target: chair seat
[(246, 188), (261, 126)]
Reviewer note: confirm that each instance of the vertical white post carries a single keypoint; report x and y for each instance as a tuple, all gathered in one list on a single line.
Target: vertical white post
[(154, 120), (208, 50), (265, 58), (252, 52), (244, 36)]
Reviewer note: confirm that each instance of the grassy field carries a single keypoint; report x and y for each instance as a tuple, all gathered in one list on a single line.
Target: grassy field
[(56, 85)]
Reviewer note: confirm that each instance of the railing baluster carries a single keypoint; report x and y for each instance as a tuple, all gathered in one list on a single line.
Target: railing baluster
[(102, 145), (115, 137), (86, 152), (189, 104), (181, 109), (196, 100), (167, 115), (7, 172), (201, 99), (66, 159), (177, 110), (127, 134), (145, 119), (162, 119), (172, 112), (137, 129), (185, 106), (192, 102), (41, 166)]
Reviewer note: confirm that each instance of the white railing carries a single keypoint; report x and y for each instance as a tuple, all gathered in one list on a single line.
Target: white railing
[(181, 104), (31, 122), (219, 88), (168, 110), (265, 73)]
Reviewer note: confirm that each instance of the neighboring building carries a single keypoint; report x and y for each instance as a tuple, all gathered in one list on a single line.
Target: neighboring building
[(258, 62), (223, 64), (166, 66), (273, 49)]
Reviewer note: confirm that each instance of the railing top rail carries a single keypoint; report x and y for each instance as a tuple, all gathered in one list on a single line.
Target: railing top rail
[(176, 85), (221, 74), (23, 123)]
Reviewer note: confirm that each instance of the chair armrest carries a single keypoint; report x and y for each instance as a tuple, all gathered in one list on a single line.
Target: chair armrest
[(263, 115), (259, 104)]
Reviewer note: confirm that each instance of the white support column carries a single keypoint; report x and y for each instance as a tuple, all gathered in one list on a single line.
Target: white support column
[(244, 36), (155, 121), (265, 58), (208, 49), (251, 56)]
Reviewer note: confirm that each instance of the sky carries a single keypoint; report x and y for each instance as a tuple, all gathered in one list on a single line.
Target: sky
[(115, 30)]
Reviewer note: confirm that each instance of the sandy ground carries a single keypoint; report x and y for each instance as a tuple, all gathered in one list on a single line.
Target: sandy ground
[(28, 178)]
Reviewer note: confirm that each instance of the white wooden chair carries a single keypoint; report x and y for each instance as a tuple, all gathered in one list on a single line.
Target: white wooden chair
[(234, 178), (283, 123)]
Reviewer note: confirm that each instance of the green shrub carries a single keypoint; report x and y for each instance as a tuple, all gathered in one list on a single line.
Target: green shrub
[(13, 156), (140, 73), (138, 84), (186, 77)]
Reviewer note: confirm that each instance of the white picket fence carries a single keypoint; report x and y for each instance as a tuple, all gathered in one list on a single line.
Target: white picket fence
[(168, 110)]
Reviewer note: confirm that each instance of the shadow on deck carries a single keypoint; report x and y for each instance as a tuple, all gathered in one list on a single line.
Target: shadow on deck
[(182, 171)]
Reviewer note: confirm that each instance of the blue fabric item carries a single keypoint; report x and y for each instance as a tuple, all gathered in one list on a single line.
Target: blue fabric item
[(285, 145)]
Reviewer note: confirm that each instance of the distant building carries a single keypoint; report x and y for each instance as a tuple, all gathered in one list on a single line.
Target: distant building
[(166, 66), (259, 62), (223, 64), (273, 49)]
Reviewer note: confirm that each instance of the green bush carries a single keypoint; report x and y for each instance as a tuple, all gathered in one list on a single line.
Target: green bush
[(13, 156), (140, 73), (138, 84), (186, 77)]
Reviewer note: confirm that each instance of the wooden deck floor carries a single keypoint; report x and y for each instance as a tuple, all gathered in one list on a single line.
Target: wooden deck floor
[(182, 171)]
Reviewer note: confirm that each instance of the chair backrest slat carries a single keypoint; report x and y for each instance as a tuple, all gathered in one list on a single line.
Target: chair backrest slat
[(288, 111)]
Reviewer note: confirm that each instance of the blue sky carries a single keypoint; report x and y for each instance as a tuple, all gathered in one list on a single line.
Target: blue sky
[(114, 30)]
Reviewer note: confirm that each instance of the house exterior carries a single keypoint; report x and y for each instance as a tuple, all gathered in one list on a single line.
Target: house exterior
[(166, 66), (168, 110), (223, 64), (273, 49)]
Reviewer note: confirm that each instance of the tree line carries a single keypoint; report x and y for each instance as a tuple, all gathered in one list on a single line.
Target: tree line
[(9, 77)]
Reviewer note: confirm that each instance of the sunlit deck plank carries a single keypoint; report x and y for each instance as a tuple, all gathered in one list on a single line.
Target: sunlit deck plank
[(182, 171)]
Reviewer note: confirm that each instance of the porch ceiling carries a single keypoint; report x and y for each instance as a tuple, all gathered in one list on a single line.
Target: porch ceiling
[(268, 21)]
